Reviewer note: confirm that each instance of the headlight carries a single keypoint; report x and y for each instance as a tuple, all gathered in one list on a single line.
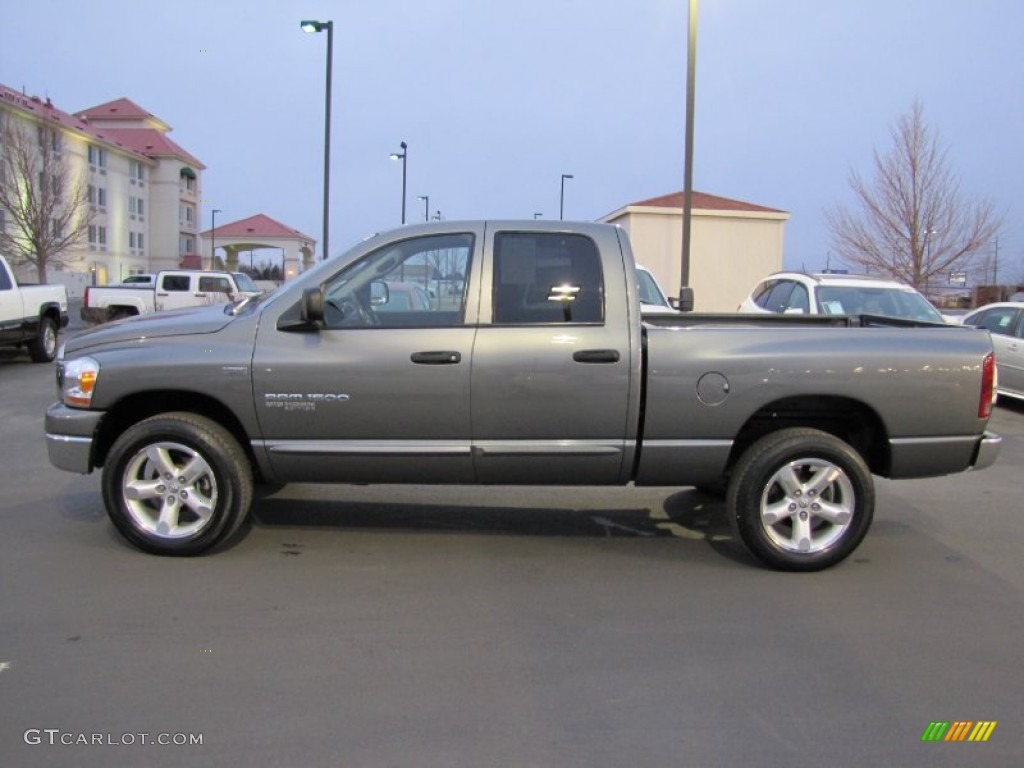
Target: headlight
[(77, 381)]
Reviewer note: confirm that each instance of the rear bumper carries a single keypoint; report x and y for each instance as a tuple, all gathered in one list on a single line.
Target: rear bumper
[(69, 437), (987, 451), (934, 456)]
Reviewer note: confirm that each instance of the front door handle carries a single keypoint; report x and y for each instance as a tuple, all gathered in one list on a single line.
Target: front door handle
[(596, 356), (436, 358)]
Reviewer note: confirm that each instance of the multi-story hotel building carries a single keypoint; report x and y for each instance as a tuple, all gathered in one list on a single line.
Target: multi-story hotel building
[(143, 188)]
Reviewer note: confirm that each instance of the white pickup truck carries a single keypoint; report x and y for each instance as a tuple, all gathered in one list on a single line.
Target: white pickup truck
[(172, 289), (31, 315)]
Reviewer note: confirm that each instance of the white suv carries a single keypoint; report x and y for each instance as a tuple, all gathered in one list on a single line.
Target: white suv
[(799, 293)]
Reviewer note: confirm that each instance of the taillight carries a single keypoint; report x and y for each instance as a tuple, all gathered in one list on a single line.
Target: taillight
[(988, 386), (85, 298)]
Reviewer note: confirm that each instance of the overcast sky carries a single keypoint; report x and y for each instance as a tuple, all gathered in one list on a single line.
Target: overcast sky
[(497, 99)]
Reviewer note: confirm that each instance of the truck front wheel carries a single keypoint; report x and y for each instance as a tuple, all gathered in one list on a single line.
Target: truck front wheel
[(801, 499), (177, 484)]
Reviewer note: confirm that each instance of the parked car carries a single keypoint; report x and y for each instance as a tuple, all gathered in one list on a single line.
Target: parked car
[(401, 297), (799, 293), (31, 315), (652, 298), (143, 279), (1005, 321), (171, 289)]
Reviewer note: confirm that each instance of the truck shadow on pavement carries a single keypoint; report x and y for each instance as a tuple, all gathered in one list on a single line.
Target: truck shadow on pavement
[(689, 515)]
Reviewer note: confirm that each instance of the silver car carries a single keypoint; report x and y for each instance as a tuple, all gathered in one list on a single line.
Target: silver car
[(1005, 321)]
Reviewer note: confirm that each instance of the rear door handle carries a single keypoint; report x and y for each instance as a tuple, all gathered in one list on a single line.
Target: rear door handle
[(436, 358), (596, 356)]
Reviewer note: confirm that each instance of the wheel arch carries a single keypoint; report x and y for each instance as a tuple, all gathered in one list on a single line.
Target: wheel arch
[(142, 405), (850, 420)]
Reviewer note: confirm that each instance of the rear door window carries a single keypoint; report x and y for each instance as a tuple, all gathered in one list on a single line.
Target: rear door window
[(546, 277)]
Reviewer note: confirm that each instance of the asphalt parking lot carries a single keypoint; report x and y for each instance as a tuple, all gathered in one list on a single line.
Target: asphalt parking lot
[(414, 626)]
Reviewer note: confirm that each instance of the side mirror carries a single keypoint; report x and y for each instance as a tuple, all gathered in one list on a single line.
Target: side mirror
[(311, 310), (379, 293), (684, 303)]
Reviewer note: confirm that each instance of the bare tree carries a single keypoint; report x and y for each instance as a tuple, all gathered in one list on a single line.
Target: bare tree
[(912, 222), (46, 209)]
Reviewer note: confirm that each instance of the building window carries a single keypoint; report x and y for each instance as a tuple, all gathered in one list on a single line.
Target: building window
[(92, 195), (140, 241), (97, 156), (138, 205), (92, 234), (101, 235), (101, 197), (131, 240)]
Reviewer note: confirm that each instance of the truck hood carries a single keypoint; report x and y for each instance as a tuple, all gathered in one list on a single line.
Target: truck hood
[(198, 320)]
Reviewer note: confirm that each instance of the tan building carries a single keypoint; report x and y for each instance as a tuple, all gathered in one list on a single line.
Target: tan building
[(144, 189), (732, 245)]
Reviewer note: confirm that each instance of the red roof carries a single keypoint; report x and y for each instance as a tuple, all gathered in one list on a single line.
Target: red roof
[(145, 142), (256, 226), (703, 201), (152, 143), (45, 110), (118, 109)]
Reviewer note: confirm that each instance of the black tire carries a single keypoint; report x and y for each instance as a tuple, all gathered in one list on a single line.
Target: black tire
[(801, 499), (43, 348), (167, 513)]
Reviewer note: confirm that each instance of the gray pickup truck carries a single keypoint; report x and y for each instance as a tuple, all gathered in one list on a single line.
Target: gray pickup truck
[(527, 364)]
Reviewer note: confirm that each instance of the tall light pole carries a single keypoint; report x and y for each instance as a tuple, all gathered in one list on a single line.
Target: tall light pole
[(561, 199), (312, 27), (403, 156), (213, 236), (685, 291), (426, 206)]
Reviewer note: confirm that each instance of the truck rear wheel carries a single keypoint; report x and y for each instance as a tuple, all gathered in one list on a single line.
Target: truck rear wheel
[(801, 499), (43, 348), (177, 484)]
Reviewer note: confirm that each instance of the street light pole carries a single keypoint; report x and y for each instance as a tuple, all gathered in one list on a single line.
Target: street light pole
[(561, 199), (403, 156), (426, 206), (311, 27), (213, 236), (685, 291)]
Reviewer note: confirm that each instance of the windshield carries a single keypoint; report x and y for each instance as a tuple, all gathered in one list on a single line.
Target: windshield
[(876, 300), (244, 282), (650, 293)]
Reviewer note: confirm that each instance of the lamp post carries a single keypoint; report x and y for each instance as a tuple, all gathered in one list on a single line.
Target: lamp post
[(685, 291), (426, 206), (537, 215), (561, 199), (313, 27), (213, 236), (403, 156)]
